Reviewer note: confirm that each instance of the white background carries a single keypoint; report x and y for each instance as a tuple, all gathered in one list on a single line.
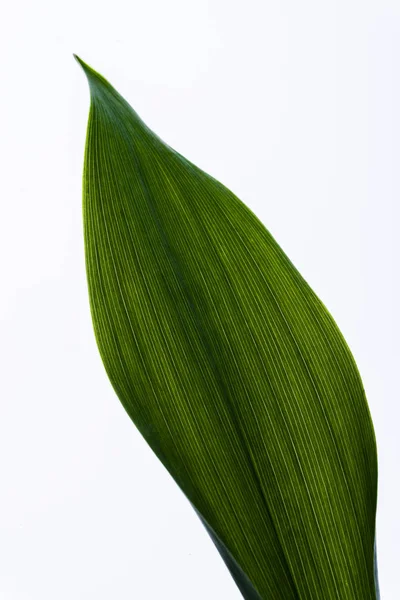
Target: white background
[(295, 107)]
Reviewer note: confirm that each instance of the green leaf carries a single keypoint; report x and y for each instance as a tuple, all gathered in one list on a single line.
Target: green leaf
[(229, 365)]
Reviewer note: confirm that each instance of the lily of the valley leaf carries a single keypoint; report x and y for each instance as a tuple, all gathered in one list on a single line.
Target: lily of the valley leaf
[(229, 365)]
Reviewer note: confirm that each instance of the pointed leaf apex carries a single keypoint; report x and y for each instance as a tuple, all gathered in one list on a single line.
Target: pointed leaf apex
[(95, 80)]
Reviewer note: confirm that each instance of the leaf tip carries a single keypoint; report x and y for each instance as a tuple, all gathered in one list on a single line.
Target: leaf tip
[(84, 66), (95, 80)]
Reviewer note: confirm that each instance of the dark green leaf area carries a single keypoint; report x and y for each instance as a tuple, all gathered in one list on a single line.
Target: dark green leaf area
[(229, 365)]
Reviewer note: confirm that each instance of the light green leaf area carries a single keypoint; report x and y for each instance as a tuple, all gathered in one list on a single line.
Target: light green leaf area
[(229, 365)]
